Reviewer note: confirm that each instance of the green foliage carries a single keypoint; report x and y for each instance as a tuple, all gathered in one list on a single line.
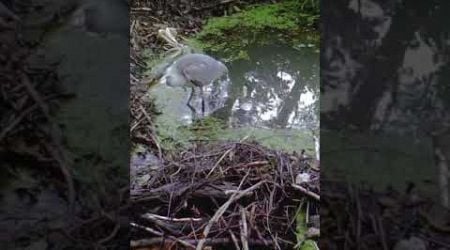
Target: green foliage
[(171, 136), (301, 223), (308, 245), (289, 21), (302, 242), (279, 139), (209, 128), (174, 137)]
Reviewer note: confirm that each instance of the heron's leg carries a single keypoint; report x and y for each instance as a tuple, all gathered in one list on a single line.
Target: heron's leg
[(203, 100), (190, 97), (189, 103), (194, 114)]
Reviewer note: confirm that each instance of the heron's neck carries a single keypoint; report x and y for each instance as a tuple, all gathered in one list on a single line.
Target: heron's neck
[(174, 78)]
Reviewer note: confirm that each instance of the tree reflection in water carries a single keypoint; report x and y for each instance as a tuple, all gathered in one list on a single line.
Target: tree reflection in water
[(277, 88)]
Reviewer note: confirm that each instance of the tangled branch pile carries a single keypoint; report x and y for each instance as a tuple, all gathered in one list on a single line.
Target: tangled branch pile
[(224, 194), (30, 92), (37, 162), (360, 218)]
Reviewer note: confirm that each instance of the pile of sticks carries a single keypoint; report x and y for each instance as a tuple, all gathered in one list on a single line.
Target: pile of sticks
[(30, 93), (355, 217), (239, 195)]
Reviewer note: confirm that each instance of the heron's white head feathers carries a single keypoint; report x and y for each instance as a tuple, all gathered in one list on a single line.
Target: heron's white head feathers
[(173, 78)]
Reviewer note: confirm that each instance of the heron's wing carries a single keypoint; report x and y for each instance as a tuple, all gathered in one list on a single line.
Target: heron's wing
[(198, 72)]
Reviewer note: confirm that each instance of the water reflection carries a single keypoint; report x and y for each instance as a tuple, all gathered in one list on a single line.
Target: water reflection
[(277, 88), (214, 96), (385, 84), (173, 101)]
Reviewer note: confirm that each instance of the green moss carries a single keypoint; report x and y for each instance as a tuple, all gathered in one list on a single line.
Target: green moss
[(289, 21), (309, 245), (279, 139), (174, 137)]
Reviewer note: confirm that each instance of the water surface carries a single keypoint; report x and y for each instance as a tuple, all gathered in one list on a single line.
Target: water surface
[(273, 96)]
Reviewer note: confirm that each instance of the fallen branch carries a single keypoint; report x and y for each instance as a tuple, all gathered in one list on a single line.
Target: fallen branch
[(307, 192), (159, 240), (244, 230), (222, 210), (210, 241), (159, 217)]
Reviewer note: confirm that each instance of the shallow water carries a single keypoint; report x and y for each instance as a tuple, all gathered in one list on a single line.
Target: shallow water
[(275, 92), (277, 88)]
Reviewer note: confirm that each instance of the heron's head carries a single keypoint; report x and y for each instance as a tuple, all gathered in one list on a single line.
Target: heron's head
[(223, 69), (174, 78)]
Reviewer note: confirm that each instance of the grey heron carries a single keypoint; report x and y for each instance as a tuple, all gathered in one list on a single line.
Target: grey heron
[(194, 70)]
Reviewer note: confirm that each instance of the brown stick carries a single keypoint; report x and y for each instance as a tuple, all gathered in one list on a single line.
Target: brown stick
[(222, 209), (159, 217), (244, 230), (209, 241), (307, 192), (160, 239)]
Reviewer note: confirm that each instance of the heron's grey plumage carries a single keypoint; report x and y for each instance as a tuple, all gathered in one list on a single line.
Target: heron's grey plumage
[(195, 70)]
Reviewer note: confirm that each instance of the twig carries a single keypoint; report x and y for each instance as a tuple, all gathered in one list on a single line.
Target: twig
[(244, 230), (35, 95), (307, 192), (209, 241), (441, 228), (151, 135), (66, 173), (148, 229), (221, 2), (57, 155), (6, 11), (110, 236), (159, 217), (22, 115), (253, 164), (222, 210), (235, 240), (218, 161), (382, 234), (18, 119)]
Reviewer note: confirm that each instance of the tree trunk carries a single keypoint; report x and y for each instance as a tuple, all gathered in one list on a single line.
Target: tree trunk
[(380, 72)]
